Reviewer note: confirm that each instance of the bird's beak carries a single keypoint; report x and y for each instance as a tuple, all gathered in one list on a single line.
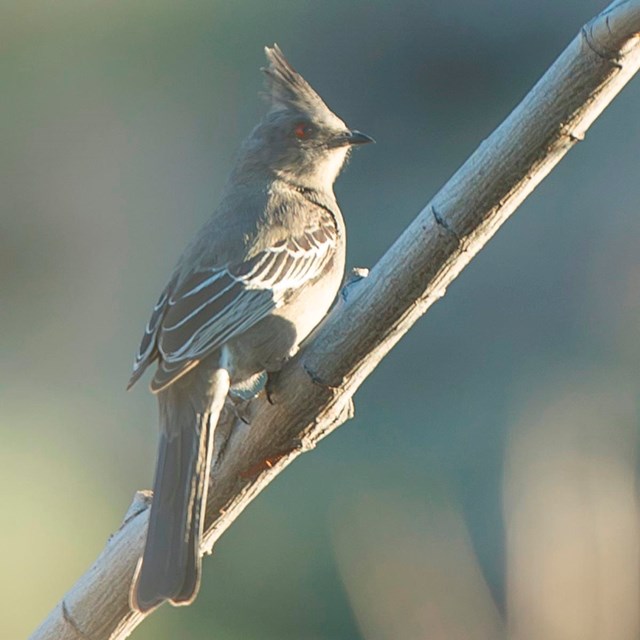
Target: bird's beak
[(356, 137), (351, 138)]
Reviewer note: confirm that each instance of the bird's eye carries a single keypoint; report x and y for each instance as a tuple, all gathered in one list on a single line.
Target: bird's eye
[(302, 130)]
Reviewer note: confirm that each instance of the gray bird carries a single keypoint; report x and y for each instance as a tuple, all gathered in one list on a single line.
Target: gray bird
[(257, 278)]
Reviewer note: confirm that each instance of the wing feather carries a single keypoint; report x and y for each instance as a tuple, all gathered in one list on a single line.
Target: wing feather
[(213, 305)]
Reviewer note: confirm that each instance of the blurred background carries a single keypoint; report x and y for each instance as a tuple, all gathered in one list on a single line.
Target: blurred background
[(487, 486)]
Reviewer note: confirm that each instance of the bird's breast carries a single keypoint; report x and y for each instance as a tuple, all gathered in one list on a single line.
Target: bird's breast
[(273, 340)]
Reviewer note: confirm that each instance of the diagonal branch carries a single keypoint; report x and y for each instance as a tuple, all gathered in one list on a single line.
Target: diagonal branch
[(312, 395)]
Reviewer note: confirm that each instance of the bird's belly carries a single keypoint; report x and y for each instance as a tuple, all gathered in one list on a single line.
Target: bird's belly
[(269, 343), (309, 306)]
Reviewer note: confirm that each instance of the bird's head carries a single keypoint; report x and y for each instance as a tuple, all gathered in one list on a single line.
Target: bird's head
[(300, 138)]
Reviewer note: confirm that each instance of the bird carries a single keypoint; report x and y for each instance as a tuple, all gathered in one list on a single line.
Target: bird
[(254, 282)]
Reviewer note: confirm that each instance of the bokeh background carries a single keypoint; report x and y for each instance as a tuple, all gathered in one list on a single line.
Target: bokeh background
[(487, 486)]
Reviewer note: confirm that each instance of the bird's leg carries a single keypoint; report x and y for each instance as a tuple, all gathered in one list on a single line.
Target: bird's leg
[(269, 386), (240, 409)]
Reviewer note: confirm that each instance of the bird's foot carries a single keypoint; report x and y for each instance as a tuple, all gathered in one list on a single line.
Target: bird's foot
[(270, 385)]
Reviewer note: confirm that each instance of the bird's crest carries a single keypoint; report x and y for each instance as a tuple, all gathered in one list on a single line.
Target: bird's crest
[(288, 90)]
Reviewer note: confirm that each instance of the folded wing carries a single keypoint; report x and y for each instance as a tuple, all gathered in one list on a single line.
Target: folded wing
[(197, 316)]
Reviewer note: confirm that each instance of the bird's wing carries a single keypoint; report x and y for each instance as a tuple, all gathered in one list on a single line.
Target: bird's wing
[(148, 349), (213, 305)]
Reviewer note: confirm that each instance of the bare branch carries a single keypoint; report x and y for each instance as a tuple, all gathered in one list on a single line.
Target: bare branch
[(312, 395)]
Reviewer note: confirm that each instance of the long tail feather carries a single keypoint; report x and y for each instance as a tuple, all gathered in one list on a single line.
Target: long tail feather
[(171, 563)]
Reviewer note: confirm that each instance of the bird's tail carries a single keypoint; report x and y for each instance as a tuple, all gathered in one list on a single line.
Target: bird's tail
[(171, 563)]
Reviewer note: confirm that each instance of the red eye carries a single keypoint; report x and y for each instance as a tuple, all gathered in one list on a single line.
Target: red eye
[(302, 130)]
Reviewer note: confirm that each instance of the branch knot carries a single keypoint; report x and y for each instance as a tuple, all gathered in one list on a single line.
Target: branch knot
[(69, 619), (442, 222)]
